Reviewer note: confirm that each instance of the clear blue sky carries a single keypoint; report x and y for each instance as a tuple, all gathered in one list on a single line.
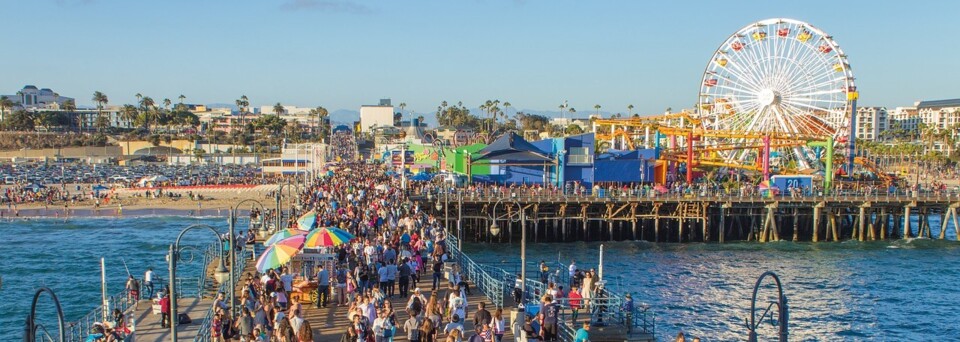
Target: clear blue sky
[(343, 53)]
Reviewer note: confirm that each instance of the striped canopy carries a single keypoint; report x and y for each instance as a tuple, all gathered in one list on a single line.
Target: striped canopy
[(283, 234), (327, 237), (280, 253)]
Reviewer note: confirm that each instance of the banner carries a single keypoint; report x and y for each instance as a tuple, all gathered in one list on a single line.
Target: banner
[(408, 160)]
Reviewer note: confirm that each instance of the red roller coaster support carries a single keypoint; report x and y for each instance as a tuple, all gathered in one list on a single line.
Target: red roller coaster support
[(689, 157), (766, 158)]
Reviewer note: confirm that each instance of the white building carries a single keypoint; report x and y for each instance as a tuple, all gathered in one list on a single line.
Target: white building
[(942, 114), (298, 159), (871, 121), (31, 97), (906, 117), (376, 116)]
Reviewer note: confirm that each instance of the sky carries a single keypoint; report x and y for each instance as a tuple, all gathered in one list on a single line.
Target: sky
[(341, 54)]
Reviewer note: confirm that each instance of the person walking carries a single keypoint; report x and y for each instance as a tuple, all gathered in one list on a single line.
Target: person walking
[(323, 287), (497, 325), (574, 300), (403, 277), (582, 334)]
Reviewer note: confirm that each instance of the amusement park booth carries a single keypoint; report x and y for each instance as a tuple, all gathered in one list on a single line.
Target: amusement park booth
[(513, 160), (574, 159), (625, 166)]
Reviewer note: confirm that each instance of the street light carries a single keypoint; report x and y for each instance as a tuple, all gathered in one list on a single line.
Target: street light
[(783, 310), (495, 230), (220, 274), (233, 254), (30, 326)]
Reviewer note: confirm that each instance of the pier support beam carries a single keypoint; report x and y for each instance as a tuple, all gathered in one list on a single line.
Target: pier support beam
[(769, 232), (906, 222), (862, 221), (816, 221)]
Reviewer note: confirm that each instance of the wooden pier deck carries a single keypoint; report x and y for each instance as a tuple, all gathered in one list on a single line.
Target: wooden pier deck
[(148, 325), (330, 323)]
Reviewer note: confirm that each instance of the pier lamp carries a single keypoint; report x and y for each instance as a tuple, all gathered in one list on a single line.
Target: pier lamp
[(220, 274), (30, 327), (232, 220), (495, 230), (783, 311)]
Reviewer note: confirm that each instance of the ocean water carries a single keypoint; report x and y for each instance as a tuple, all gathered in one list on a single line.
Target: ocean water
[(849, 291), (64, 255), (901, 290)]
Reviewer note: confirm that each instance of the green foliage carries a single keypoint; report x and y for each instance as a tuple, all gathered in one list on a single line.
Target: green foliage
[(574, 129), (271, 123), (19, 120)]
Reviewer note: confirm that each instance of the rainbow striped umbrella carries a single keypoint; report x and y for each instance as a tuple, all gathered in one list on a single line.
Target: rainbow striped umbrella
[(283, 234), (307, 221), (280, 253), (327, 237)]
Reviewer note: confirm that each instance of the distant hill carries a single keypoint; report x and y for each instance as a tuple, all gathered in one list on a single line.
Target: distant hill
[(344, 116)]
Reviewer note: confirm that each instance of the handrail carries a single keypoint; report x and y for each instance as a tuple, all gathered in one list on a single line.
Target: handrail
[(79, 329), (203, 332), (492, 282)]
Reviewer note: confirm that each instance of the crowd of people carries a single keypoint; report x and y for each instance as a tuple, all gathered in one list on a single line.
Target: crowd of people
[(399, 255)]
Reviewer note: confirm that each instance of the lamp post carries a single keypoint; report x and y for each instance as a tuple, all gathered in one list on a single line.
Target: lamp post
[(495, 230), (30, 326), (233, 252), (220, 275), (277, 197), (783, 310)]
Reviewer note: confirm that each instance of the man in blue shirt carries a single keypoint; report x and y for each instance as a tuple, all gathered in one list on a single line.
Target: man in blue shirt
[(628, 310), (323, 287)]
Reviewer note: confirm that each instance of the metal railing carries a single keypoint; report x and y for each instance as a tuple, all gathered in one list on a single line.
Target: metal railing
[(203, 332), (606, 306), (78, 330), (685, 194)]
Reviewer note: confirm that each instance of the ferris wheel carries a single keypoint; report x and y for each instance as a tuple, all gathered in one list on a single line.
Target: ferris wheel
[(778, 77)]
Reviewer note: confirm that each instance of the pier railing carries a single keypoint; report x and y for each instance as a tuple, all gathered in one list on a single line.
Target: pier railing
[(203, 332), (605, 307), (187, 287), (639, 194)]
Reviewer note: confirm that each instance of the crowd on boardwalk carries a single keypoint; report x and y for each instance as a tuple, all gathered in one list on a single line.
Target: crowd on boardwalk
[(399, 254)]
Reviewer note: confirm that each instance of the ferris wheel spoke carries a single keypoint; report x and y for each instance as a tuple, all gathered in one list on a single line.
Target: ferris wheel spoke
[(738, 81)]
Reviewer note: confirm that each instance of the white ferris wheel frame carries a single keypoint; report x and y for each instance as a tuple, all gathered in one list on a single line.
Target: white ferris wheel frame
[(773, 83)]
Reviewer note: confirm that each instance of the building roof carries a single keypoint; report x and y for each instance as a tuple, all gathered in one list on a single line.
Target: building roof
[(511, 147), (939, 103)]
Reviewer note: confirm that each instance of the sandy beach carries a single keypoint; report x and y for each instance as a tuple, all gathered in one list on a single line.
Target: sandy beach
[(217, 200)]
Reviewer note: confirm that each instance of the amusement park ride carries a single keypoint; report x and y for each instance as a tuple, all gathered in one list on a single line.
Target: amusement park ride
[(777, 96)]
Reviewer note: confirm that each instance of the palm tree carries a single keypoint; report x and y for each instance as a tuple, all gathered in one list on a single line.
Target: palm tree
[(149, 113), (128, 114), (597, 107), (321, 113), (4, 104), (630, 109), (166, 103), (100, 99), (181, 97), (278, 109), (70, 106), (402, 106)]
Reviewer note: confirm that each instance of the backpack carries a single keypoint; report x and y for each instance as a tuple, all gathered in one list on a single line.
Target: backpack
[(415, 333), (388, 328)]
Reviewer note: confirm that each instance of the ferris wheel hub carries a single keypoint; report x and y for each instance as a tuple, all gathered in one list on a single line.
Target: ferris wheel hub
[(768, 97)]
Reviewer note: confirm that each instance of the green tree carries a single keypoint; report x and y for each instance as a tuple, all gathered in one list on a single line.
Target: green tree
[(278, 109), (630, 109), (574, 129), (19, 120), (5, 103), (597, 107), (271, 123), (100, 99)]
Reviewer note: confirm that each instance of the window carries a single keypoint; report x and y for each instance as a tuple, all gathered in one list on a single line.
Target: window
[(579, 155)]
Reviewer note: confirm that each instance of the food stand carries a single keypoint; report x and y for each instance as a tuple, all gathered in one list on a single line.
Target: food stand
[(305, 266)]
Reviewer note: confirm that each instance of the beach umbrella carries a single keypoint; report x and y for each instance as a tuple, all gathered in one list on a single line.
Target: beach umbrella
[(283, 234), (99, 187), (307, 221), (327, 237), (661, 189), (280, 253)]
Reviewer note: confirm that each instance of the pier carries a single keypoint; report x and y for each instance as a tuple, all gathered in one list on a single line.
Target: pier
[(698, 217)]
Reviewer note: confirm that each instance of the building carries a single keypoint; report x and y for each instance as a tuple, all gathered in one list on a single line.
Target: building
[(871, 121), (297, 159), (906, 118), (376, 116), (31, 97), (941, 114)]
